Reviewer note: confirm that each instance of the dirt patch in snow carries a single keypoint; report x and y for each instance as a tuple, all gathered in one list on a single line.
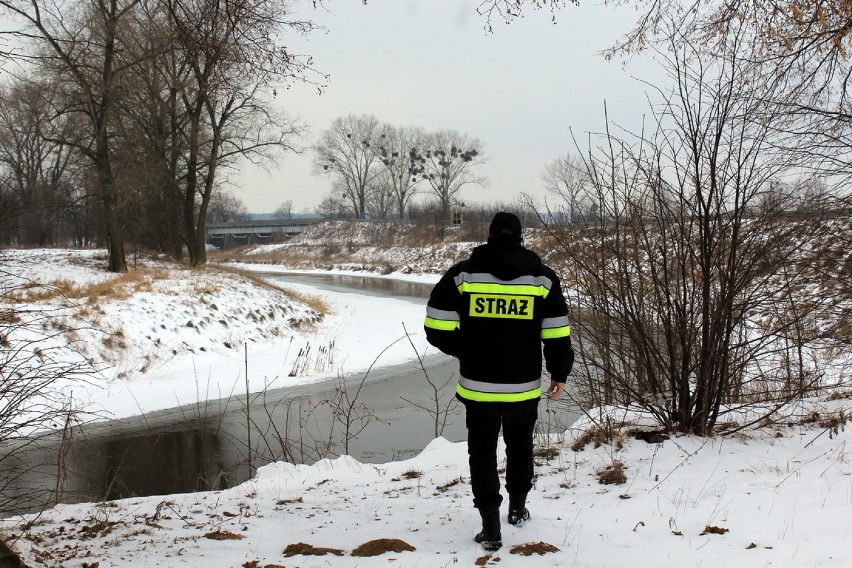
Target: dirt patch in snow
[(309, 550), (531, 548), (223, 535), (380, 546)]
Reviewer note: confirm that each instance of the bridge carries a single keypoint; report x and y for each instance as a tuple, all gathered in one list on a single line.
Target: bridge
[(251, 232)]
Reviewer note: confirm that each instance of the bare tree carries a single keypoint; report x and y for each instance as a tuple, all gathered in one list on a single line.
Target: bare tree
[(82, 44), (803, 48), (447, 161), (285, 210), (230, 55), (333, 206), (349, 151), (443, 403), (399, 157), (380, 201), (565, 177), (40, 162), (152, 122), (226, 207)]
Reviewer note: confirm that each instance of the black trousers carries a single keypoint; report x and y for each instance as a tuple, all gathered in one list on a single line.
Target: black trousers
[(484, 421)]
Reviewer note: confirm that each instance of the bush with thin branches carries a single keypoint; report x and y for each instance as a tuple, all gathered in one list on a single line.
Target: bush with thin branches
[(694, 292)]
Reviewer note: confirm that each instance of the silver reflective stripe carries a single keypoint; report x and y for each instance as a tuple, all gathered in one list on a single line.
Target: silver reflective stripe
[(560, 321), (442, 314), (499, 387), (486, 278)]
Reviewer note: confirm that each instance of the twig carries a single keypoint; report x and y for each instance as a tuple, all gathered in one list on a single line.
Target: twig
[(248, 411)]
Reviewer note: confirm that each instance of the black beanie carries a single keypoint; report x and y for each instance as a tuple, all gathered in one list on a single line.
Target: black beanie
[(505, 226)]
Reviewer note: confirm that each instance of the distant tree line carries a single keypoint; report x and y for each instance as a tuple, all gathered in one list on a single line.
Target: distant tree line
[(120, 118)]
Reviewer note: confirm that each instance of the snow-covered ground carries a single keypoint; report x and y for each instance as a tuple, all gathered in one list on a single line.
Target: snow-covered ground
[(176, 336), (775, 495)]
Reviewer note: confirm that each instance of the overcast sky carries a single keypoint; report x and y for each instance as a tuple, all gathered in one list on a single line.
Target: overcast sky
[(430, 63)]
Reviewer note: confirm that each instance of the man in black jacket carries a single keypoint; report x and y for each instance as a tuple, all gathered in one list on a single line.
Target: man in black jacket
[(493, 312)]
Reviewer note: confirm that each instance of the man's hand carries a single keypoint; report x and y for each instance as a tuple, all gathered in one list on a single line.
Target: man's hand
[(555, 389)]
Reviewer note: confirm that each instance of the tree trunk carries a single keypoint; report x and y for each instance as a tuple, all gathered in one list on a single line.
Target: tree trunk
[(115, 239)]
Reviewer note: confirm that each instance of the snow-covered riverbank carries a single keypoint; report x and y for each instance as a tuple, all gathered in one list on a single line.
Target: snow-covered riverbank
[(777, 496), (178, 336)]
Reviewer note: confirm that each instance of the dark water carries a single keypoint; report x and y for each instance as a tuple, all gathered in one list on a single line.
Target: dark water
[(207, 447), (389, 414)]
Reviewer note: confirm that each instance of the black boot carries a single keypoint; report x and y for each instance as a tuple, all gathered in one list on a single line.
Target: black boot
[(518, 512), (489, 537)]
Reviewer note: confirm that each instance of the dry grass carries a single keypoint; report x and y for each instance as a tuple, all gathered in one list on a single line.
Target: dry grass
[(119, 287), (115, 340), (546, 453), (445, 487), (314, 302), (309, 256), (239, 255), (599, 434), (9, 317), (229, 254), (834, 422), (612, 474), (840, 395)]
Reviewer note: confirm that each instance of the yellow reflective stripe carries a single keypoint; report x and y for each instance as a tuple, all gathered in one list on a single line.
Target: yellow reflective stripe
[(443, 325), (554, 332), (497, 396), (490, 288)]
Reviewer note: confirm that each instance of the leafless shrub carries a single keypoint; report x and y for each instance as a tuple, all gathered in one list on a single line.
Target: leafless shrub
[(37, 372), (350, 413), (696, 286), (296, 437), (310, 431), (444, 403)]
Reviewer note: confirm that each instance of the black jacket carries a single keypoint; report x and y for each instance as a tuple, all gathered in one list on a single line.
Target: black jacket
[(494, 311)]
